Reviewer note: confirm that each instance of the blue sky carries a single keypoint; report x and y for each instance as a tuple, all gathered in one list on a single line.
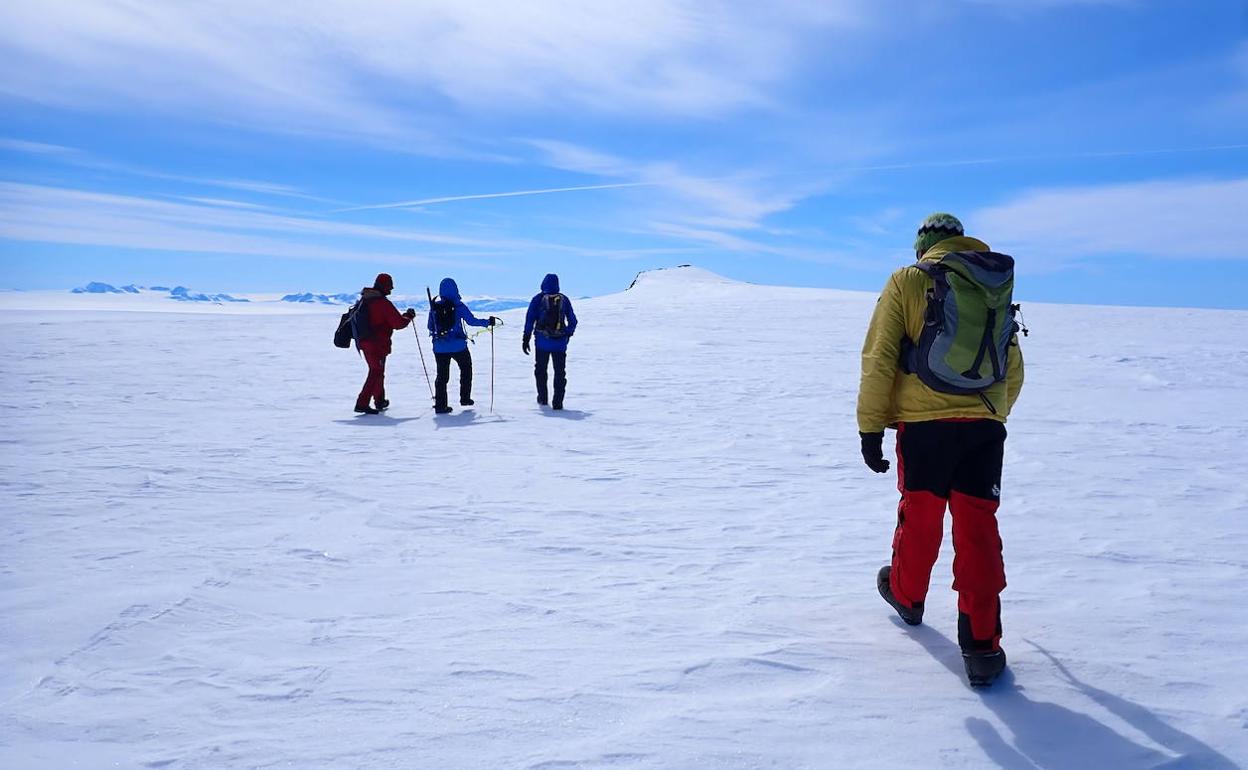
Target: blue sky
[(235, 146)]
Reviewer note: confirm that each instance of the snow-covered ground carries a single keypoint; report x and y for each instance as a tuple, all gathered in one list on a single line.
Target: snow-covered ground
[(207, 561)]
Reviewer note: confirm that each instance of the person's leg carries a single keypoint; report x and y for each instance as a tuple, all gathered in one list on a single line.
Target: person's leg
[(540, 363), (443, 377), (379, 392), (924, 467), (978, 565), (561, 377), (464, 359), (375, 364)]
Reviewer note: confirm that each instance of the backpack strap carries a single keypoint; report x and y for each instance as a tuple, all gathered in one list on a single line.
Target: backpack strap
[(932, 313)]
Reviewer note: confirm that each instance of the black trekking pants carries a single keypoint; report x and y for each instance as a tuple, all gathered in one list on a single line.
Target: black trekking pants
[(561, 374), (464, 359)]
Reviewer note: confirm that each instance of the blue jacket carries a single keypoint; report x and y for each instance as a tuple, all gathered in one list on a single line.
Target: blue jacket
[(455, 340), (550, 285)]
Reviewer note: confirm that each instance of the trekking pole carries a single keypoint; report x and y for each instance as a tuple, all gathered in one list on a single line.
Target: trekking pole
[(422, 360), (491, 368)]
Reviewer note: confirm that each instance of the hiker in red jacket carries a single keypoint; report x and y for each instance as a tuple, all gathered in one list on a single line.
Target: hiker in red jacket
[(383, 319)]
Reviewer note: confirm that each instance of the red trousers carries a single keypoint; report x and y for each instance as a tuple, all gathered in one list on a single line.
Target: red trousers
[(955, 463), (375, 382)]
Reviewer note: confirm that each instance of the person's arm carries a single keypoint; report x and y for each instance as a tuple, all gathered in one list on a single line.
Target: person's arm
[(880, 354), (570, 327), (1014, 372), (392, 317), (467, 317), (530, 318)]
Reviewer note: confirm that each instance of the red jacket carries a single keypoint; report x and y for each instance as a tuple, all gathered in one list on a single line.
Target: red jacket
[(383, 318)]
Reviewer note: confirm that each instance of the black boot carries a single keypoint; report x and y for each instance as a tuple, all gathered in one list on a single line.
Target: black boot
[(466, 402), (442, 409), (911, 615), (365, 409), (983, 666), (541, 400), (383, 404)]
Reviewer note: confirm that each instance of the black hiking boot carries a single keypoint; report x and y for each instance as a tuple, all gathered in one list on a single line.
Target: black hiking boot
[(541, 401), (911, 615), (557, 406), (466, 402), (983, 666), (383, 404), (442, 409), (366, 409)]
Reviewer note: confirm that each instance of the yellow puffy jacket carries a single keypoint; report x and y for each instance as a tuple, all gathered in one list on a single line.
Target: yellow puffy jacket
[(886, 394)]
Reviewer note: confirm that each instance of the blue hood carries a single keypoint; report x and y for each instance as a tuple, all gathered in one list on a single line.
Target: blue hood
[(550, 284), (448, 290)]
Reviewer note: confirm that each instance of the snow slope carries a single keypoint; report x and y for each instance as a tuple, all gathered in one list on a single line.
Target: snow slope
[(207, 561)]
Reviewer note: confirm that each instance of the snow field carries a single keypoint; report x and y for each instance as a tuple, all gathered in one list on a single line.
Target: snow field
[(206, 560)]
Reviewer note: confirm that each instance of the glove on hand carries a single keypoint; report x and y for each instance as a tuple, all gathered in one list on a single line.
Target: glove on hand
[(493, 320), (873, 451), (409, 313), (525, 346)]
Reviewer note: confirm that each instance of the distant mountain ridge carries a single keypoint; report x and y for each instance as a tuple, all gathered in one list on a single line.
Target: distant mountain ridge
[(183, 294), (484, 304), (178, 293)]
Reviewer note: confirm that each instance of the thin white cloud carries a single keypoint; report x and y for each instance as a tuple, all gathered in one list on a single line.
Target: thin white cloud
[(33, 148), (76, 157), (1041, 5), (738, 201), (486, 196), (374, 66), (60, 215), (214, 226), (1170, 219)]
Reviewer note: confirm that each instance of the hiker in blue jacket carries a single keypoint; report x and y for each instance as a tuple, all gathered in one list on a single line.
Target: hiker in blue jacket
[(447, 316), (550, 316)]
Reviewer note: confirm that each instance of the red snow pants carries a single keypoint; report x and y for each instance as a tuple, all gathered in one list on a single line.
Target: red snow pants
[(375, 382), (955, 463)]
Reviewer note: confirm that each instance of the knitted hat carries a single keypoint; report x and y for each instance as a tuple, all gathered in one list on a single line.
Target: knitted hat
[(384, 282), (935, 229)]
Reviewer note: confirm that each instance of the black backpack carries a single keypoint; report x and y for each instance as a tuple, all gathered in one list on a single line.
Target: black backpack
[(445, 317), (354, 324), (550, 322)]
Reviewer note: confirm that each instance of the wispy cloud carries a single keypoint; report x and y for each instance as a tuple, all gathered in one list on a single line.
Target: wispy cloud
[(73, 156), (1169, 219), (33, 148), (732, 201), (60, 215), (371, 66), (486, 196)]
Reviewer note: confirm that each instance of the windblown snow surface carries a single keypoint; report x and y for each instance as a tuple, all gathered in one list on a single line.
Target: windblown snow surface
[(208, 561)]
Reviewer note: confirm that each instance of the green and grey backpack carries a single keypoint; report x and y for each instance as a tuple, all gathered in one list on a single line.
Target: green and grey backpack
[(968, 325)]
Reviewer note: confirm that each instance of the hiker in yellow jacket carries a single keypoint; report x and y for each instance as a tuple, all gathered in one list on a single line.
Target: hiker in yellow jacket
[(950, 445)]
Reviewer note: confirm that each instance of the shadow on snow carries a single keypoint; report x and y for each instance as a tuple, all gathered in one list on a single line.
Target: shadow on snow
[(376, 420), (566, 414), (463, 419), (1047, 735)]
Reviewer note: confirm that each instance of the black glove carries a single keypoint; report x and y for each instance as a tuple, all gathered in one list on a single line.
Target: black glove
[(525, 346), (493, 320), (873, 451), (409, 313)]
